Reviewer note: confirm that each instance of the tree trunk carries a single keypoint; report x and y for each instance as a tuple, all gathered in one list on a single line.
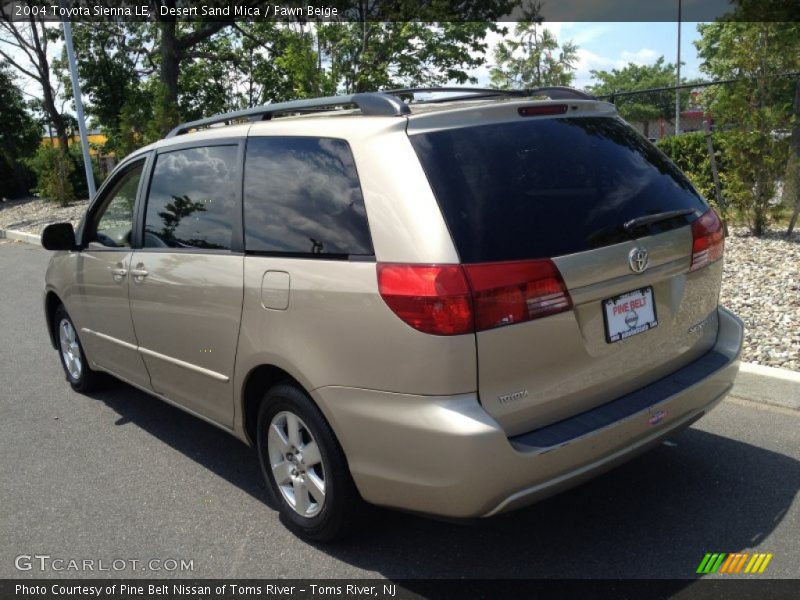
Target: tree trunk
[(48, 96), (57, 120), (170, 68)]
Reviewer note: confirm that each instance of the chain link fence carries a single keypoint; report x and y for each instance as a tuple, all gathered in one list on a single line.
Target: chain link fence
[(716, 160), (652, 111)]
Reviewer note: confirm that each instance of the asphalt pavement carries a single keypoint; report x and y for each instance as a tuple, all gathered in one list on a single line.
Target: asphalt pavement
[(119, 475)]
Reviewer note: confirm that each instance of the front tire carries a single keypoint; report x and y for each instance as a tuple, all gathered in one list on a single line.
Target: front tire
[(306, 472), (76, 367)]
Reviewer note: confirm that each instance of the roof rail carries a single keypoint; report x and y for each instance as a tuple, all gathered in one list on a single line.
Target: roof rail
[(471, 93), (372, 103)]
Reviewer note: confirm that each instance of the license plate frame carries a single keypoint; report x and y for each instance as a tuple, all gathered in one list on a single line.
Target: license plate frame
[(618, 326)]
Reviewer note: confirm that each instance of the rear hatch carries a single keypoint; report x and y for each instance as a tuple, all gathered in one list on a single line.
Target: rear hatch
[(586, 250)]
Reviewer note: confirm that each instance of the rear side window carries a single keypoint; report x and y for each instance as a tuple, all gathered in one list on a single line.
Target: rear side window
[(192, 199), (548, 187), (302, 197)]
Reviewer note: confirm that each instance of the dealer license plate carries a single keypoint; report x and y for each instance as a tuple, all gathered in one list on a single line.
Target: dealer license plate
[(629, 314)]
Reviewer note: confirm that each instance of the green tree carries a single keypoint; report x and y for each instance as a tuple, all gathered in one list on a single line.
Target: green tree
[(640, 108), (533, 58), (114, 60), (143, 78), (367, 56), (19, 136), (282, 61), (25, 46), (756, 108)]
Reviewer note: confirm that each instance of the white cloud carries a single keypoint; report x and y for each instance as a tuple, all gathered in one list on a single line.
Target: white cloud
[(644, 56), (588, 60)]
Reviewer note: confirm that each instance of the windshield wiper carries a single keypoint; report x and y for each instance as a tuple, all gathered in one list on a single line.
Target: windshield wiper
[(662, 216)]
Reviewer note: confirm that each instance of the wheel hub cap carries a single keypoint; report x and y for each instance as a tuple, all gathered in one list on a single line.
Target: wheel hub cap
[(296, 464), (70, 349)]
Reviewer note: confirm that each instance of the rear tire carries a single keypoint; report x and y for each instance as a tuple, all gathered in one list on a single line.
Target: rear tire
[(70, 351), (306, 472)]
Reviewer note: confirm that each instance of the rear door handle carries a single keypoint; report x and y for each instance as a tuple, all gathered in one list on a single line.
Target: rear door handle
[(139, 273)]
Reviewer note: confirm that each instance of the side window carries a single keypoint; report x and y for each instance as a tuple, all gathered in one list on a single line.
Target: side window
[(302, 196), (114, 221), (192, 199)]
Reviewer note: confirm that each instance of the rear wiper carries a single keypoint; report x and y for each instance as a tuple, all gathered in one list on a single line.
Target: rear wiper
[(662, 216)]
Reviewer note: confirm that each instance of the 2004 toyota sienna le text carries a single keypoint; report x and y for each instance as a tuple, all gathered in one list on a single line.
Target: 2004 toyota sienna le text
[(451, 307)]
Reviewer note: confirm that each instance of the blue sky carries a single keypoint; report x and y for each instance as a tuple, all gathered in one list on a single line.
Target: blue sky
[(605, 46)]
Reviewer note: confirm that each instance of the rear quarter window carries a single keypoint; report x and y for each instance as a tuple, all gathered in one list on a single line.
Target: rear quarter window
[(302, 197), (540, 188)]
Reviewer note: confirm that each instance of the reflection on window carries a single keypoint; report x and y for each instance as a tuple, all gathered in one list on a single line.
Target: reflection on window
[(116, 220), (192, 199), (541, 188), (302, 196)]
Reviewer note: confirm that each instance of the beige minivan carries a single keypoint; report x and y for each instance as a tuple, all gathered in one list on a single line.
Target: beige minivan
[(454, 306)]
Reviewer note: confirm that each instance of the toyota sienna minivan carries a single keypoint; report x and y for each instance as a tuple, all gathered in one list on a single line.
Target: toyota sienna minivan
[(454, 306)]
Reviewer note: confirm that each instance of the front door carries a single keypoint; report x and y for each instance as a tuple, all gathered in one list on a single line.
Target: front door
[(187, 279), (100, 306)]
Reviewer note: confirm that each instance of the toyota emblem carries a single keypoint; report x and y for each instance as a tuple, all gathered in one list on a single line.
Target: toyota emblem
[(638, 259)]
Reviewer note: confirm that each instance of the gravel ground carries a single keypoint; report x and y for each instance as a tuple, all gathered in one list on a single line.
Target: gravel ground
[(33, 214), (761, 283)]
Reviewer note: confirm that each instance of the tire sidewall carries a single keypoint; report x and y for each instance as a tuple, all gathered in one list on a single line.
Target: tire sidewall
[(78, 384), (320, 526)]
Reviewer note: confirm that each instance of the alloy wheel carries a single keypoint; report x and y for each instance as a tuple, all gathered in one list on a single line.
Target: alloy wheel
[(296, 464)]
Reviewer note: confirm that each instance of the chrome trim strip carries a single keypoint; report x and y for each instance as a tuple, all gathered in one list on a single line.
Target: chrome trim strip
[(185, 365), (169, 359), (113, 340)]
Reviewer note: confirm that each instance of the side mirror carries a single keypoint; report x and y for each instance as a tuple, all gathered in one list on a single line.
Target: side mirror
[(59, 236)]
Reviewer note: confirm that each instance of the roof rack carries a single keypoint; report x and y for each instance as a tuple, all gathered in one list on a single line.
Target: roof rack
[(372, 103), (384, 103), (471, 93)]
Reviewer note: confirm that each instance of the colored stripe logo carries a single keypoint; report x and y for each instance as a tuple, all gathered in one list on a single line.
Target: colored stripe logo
[(736, 562)]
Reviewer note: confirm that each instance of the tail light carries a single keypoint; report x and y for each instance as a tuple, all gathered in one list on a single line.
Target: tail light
[(708, 240), (455, 299), (512, 292), (432, 298)]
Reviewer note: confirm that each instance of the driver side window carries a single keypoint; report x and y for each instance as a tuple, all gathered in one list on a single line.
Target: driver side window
[(114, 221)]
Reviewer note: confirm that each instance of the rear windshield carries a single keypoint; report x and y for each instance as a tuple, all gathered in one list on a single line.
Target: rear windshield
[(548, 187)]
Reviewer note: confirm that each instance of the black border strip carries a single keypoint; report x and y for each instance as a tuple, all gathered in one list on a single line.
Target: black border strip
[(408, 10), (755, 588)]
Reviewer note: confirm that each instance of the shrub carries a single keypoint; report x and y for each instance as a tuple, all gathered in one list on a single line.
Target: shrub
[(54, 171), (78, 174), (746, 198)]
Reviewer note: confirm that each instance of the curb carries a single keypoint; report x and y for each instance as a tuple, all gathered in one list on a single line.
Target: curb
[(767, 385), (21, 236)]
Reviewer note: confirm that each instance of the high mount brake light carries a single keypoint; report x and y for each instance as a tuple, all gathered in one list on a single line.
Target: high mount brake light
[(545, 109), (708, 240), (456, 299)]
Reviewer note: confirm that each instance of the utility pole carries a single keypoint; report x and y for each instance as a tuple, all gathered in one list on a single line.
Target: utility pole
[(678, 82), (76, 92)]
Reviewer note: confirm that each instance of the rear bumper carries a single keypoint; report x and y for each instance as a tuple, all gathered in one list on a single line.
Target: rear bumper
[(446, 456)]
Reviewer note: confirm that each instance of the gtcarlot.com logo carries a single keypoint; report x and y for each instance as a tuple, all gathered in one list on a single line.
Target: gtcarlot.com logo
[(737, 562), (45, 563)]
